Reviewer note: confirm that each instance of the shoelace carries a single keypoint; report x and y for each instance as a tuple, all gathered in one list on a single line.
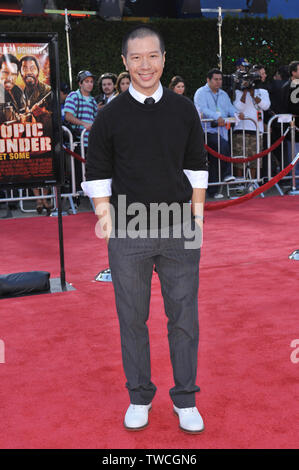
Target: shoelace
[(189, 410)]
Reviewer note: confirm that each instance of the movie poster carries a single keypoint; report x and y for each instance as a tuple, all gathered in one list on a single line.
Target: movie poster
[(27, 102)]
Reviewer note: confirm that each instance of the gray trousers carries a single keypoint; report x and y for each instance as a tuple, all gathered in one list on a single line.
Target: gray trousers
[(131, 262)]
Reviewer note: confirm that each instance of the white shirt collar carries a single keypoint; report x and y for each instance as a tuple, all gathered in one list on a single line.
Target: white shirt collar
[(140, 97)]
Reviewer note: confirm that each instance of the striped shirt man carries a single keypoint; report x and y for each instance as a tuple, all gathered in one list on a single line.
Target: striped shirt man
[(82, 107)]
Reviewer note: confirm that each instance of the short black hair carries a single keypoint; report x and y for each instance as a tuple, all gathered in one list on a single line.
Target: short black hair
[(26, 58), (141, 31), (283, 71), (258, 67), (9, 58), (212, 72), (293, 66), (110, 75)]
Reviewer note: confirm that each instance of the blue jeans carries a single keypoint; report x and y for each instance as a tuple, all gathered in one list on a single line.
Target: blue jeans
[(213, 161)]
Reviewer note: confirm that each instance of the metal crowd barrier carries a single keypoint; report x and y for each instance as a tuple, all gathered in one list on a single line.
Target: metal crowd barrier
[(24, 193), (82, 147), (74, 145), (247, 179), (284, 159)]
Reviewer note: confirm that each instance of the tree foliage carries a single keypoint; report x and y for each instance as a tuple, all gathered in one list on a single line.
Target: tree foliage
[(191, 45)]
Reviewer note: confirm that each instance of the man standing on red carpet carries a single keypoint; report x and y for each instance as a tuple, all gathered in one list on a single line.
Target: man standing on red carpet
[(146, 149)]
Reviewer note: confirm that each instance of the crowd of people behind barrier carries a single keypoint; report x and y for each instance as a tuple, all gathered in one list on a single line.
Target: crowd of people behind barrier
[(247, 96)]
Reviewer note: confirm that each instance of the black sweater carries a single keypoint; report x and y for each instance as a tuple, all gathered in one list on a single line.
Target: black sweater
[(145, 148)]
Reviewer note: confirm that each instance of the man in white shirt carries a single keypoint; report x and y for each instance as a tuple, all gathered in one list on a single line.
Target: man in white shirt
[(251, 103)]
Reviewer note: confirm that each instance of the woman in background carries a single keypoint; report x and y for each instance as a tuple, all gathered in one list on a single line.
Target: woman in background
[(123, 82), (177, 84)]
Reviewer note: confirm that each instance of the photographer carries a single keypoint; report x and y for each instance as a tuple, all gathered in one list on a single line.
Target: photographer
[(251, 101), (214, 103)]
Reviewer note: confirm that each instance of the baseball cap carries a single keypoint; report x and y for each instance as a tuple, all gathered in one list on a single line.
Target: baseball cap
[(84, 74), (242, 61), (64, 88)]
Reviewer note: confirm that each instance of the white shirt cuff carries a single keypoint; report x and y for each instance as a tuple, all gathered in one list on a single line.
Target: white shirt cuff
[(198, 179), (97, 188)]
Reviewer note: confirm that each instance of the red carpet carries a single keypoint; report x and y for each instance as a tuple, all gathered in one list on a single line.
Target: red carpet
[(62, 384)]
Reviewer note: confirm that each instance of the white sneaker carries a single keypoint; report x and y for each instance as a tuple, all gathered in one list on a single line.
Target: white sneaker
[(229, 178), (190, 419), (136, 417), (218, 196)]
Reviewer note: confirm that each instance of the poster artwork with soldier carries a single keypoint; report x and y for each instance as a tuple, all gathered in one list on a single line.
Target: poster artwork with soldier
[(26, 134)]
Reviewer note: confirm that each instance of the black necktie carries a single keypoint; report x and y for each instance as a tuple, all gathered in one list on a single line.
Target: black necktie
[(149, 100)]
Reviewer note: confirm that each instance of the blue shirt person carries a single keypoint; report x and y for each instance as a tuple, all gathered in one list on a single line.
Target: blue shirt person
[(214, 103)]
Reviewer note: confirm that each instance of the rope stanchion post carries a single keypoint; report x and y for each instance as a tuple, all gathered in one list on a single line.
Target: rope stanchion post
[(293, 138), (295, 254), (282, 118), (82, 160), (71, 144), (83, 153), (258, 166)]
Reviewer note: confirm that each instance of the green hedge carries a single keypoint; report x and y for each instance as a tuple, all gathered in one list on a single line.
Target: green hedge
[(192, 45)]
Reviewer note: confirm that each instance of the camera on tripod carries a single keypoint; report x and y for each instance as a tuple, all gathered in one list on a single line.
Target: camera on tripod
[(243, 79)]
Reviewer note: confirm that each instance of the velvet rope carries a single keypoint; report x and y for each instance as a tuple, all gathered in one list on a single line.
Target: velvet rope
[(74, 154), (233, 202), (221, 205), (248, 159), (211, 151)]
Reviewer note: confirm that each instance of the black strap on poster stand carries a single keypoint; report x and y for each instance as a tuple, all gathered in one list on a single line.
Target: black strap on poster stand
[(60, 231)]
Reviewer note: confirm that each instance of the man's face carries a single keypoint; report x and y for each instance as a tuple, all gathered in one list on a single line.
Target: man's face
[(86, 86), (215, 82), (8, 75), (145, 63), (108, 86), (29, 72), (263, 74), (296, 73)]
